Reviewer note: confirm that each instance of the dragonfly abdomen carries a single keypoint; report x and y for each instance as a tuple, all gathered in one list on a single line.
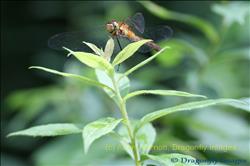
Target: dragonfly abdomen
[(154, 46), (128, 33), (149, 44)]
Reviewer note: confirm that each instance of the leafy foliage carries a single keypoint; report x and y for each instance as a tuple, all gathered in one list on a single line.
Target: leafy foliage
[(189, 106), (123, 83), (84, 79), (97, 129), (145, 138), (49, 130), (128, 51), (136, 139), (94, 48), (109, 48), (161, 92), (93, 61)]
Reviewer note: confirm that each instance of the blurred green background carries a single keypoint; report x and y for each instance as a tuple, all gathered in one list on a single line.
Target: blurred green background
[(210, 53)]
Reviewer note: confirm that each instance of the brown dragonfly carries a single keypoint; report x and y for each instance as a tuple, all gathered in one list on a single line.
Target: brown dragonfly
[(130, 30)]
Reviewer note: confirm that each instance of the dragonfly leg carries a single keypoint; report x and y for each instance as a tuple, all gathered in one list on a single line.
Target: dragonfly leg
[(120, 49), (119, 43)]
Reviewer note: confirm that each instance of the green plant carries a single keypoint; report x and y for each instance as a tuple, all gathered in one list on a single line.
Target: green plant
[(135, 136)]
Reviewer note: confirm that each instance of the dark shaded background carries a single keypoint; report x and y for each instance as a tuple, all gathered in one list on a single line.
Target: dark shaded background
[(26, 27)]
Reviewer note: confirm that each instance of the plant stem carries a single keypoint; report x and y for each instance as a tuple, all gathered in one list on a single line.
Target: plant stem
[(122, 107)]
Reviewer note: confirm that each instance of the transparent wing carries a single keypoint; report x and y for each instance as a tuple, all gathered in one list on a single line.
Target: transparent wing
[(137, 22), (71, 40), (158, 33), (74, 40)]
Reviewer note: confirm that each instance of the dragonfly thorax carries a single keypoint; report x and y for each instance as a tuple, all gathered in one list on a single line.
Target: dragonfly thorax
[(112, 27)]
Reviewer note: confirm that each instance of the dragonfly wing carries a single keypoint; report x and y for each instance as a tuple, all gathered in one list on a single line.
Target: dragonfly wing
[(137, 22), (71, 40), (158, 33), (74, 40), (120, 42)]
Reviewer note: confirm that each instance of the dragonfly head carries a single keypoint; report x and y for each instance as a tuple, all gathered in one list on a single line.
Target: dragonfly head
[(112, 26)]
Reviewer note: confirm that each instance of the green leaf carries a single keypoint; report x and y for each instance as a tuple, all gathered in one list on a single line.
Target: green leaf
[(94, 48), (124, 141), (173, 159), (109, 48), (244, 104), (161, 92), (81, 78), (166, 14), (49, 130), (128, 51), (97, 129), (93, 61), (228, 10), (123, 83), (144, 62), (187, 107), (145, 138), (103, 78)]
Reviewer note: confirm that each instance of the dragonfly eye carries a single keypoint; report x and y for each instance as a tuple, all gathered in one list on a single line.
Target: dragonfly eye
[(110, 27), (116, 25)]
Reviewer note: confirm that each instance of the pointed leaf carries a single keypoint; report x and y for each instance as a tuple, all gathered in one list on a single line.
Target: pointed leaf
[(124, 141), (103, 78), (244, 105), (173, 159), (128, 51), (161, 92), (81, 78), (109, 48), (97, 129), (123, 83), (94, 48), (49, 130), (145, 138), (93, 61), (186, 107), (145, 62)]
